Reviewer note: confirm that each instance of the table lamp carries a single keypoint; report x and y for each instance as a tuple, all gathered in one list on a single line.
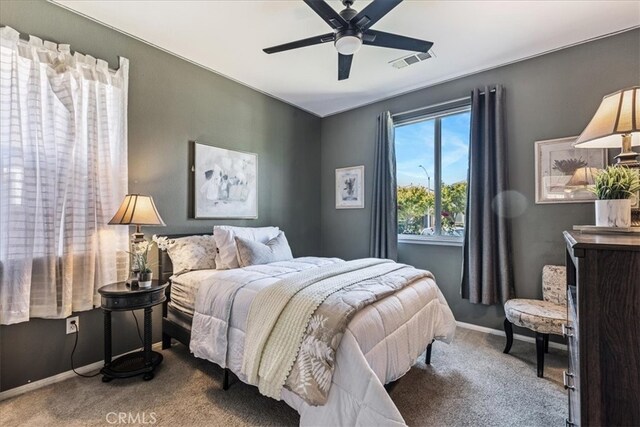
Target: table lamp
[(615, 124), (138, 210)]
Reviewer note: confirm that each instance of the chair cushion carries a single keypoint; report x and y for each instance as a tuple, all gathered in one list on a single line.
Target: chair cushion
[(539, 316), (554, 284)]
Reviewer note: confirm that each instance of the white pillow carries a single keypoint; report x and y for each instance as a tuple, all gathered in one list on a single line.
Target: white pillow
[(192, 253), (224, 236), (255, 253)]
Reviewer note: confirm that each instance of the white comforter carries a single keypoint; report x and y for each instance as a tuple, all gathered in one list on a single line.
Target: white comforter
[(380, 345)]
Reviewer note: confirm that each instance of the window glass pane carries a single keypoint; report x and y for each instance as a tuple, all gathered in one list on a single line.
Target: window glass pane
[(418, 189), (415, 168), (455, 163)]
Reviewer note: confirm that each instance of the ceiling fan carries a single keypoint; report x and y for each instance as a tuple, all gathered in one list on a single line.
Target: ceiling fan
[(352, 29)]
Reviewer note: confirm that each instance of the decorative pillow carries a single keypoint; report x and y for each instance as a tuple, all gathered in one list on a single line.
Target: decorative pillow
[(256, 253), (224, 235), (192, 253)]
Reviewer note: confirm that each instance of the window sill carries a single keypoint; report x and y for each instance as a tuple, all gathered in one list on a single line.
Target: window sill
[(433, 241)]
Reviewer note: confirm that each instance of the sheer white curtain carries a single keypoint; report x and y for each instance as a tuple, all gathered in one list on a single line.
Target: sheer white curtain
[(63, 173)]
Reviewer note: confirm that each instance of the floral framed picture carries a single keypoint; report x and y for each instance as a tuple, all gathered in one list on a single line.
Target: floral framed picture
[(565, 174), (350, 188)]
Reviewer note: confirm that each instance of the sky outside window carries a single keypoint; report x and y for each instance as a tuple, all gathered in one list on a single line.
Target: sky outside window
[(414, 147), (455, 147)]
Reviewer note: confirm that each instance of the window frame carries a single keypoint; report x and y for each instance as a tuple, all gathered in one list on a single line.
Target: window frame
[(436, 113)]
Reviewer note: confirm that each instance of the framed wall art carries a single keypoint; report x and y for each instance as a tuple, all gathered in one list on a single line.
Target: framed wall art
[(350, 188), (225, 183), (565, 174)]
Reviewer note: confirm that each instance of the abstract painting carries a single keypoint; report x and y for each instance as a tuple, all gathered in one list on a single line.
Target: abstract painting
[(226, 183), (565, 174), (350, 188)]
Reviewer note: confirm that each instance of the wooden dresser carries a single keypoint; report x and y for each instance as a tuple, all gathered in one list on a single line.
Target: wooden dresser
[(603, 330)]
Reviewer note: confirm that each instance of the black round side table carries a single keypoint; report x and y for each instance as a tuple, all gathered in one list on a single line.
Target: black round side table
[(120, 297)]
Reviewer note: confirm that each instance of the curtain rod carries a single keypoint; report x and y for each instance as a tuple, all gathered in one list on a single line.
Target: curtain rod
[(439, 104), (25, 37)]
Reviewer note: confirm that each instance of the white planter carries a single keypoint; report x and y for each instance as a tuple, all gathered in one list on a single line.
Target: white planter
[(613, 213), (144, 279)]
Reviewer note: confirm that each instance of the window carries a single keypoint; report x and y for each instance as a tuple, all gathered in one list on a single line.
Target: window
[(63, 173), (432, 159)]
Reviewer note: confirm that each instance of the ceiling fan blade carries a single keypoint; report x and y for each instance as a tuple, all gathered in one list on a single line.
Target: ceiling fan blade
[(329, 37), (395, 41), (372, 13), (327, 13), (344, 66)]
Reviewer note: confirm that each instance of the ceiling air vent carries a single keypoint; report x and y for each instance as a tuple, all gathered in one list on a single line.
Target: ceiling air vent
[(414, 58)]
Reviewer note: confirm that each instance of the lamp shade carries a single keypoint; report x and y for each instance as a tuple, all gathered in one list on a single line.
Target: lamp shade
[(618, 114), (137, 209), (583, 177)]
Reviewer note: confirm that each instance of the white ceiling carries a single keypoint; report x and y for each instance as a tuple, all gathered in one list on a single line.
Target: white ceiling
[(469, 36)]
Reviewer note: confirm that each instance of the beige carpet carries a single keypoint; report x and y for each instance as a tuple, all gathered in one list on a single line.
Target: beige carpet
[(469, 383)]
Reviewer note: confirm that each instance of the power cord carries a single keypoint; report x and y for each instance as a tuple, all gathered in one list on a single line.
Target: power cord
[(75, 344), (137, 328)]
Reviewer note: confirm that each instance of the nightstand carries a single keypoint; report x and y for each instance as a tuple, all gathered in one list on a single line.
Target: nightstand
[(120, 297)]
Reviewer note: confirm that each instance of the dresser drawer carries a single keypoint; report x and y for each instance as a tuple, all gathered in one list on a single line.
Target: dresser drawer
[(132, 301), (603, 314), (572, 375)]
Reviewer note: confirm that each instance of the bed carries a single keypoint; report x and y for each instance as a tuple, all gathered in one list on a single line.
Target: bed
[(379, 345)]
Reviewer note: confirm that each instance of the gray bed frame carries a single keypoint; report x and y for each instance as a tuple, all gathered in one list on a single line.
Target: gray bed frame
[(175, 323)]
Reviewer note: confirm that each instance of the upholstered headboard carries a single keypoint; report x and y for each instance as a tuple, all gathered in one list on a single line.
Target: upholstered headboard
[(165, 266)]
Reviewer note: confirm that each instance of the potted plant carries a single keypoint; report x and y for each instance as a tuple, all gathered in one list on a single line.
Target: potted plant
[(141, 263), (614, 188)]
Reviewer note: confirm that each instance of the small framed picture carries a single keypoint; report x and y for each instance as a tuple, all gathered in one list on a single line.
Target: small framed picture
[(565, 174), (350, 188)]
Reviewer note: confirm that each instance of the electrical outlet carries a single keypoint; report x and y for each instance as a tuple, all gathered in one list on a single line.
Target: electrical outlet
[(70, 328)]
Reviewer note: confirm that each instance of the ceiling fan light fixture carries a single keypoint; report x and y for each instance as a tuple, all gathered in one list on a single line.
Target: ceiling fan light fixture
[(348, 45), (351, 29)]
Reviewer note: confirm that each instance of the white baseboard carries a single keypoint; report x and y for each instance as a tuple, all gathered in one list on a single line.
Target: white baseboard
[(502, 334), (92, 367), (62, 376)]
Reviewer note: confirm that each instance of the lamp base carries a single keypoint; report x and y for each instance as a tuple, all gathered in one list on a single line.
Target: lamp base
[(137, 237), (635, 207), (628, 159), (627, 156)]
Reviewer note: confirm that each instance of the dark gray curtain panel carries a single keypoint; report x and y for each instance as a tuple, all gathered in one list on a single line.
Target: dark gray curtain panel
[(487, 276), (384, 207)]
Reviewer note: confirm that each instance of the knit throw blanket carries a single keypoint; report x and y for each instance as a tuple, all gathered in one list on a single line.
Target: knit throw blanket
[(284, 316)]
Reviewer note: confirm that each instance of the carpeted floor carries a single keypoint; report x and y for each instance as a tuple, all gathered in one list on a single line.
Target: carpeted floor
[(469, 383)]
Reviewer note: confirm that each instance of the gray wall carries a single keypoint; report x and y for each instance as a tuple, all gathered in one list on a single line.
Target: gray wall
[(547, 97), (170, 102)]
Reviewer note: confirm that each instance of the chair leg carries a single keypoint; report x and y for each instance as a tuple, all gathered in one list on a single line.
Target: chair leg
[(546, 343), (508, 330), (427, 358), (540, 353)]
